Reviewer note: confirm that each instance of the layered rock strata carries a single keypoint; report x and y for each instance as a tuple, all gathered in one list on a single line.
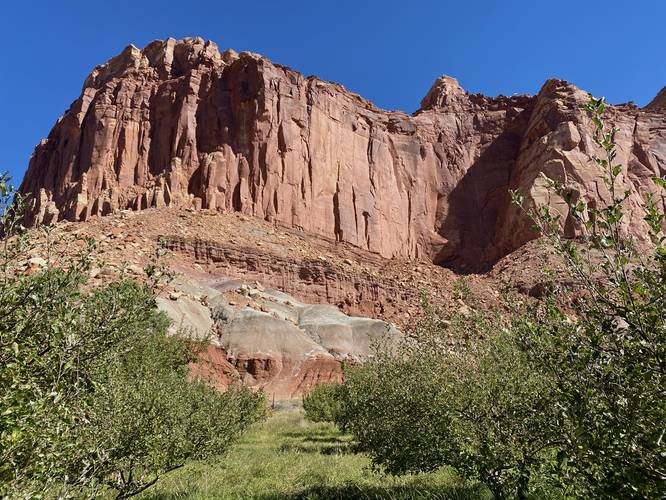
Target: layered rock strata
[(269, 340)]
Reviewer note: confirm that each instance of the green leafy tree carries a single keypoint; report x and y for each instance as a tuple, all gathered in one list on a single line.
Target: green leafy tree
[(147, 420), (326, 403), (479, 408), (93, 394), (608, 365)]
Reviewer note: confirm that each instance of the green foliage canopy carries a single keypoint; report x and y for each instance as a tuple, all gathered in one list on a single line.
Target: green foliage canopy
[(93, 394)]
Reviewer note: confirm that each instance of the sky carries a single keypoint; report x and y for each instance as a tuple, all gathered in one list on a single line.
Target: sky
[(388, 51)]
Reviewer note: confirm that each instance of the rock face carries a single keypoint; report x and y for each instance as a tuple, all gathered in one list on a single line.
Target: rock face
[(179, 123), (659, 102), (269, 340)]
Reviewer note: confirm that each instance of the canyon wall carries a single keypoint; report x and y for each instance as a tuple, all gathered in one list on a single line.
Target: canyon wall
[(181, 124)]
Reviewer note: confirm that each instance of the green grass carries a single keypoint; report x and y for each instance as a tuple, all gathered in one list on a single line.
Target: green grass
[(289, 457)]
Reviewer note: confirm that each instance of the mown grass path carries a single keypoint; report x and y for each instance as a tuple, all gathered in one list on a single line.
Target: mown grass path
[(289, 457)]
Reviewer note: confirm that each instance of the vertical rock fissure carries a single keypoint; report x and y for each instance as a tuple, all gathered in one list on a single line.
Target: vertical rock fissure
[(355, 212), (336, 209)]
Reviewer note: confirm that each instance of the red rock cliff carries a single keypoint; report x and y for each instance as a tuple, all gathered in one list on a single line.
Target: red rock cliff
[(179, 123)]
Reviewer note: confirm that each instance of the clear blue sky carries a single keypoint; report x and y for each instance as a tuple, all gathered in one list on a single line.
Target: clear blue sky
[(389, 51)]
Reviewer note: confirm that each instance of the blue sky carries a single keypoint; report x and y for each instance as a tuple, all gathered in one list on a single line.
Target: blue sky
[(388, 51)]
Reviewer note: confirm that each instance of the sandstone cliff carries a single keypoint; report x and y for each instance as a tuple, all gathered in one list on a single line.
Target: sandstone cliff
[(181, 124)]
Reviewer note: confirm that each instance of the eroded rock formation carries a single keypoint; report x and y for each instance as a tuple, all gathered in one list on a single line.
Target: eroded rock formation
[(179, 123), (284, 309), (271, 340)]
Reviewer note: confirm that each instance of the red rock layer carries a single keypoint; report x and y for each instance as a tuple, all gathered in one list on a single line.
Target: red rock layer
[(178, 123)]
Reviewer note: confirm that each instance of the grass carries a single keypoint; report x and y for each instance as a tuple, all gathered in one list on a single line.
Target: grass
[(289, 457)]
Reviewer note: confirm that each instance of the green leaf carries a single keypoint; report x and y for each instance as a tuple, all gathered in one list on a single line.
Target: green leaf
[(616, 170)]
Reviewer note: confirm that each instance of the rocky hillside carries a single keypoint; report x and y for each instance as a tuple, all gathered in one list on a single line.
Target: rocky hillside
[(282, 309), (180, 124)]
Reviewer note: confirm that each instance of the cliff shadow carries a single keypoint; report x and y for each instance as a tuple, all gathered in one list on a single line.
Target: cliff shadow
[(477, 205)]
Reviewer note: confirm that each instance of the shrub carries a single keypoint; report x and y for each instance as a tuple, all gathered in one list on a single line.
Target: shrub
[(326, 403)]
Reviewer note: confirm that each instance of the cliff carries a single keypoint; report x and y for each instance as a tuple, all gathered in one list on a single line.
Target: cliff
[(180, 124)]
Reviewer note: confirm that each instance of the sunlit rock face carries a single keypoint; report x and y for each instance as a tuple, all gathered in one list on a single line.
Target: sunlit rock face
[(180, 124)]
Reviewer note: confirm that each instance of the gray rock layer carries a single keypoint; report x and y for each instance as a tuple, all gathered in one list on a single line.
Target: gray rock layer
[(269, 340)]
